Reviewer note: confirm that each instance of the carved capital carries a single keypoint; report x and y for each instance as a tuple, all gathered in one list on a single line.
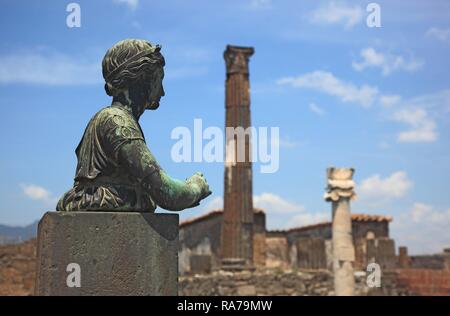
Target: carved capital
[(236, 59), (340, 184)]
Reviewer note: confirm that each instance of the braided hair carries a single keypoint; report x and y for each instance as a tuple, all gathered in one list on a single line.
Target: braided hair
[(128, 62)]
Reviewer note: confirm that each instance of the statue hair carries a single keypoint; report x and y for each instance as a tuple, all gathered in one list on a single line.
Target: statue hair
[(121, 58)]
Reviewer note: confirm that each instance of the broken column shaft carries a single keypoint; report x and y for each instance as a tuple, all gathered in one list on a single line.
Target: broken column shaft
[(340, 191)]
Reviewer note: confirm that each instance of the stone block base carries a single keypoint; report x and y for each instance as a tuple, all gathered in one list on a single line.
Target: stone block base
[(235, 264), (107, 253)]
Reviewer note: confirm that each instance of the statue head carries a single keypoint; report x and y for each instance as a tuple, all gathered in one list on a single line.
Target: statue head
[(133, 72)]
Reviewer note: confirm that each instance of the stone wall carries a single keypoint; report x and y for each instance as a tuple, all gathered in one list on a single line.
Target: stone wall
[(271, 282), (361, 229), (425, 282), (202, 236), (310, 246), (277, 252), (437, 261), (381, 251), (311, 253), (316, 253), (259, 240), (18, 268)]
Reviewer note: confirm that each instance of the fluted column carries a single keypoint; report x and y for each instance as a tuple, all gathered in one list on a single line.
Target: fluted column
[(237, 226)]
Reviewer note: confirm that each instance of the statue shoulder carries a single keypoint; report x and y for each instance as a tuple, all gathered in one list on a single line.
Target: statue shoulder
[(116, 117), (111, 111), (119, 124)]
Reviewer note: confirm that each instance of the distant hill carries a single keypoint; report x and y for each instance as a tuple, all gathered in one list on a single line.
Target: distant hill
[(13, 234)]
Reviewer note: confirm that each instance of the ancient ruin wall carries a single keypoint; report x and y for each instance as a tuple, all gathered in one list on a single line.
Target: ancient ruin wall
[(280, 282)]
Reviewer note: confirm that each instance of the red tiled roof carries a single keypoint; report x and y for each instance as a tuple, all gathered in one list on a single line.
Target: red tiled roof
[(371, 218), (200, 218), (210, 214), (355, 218)]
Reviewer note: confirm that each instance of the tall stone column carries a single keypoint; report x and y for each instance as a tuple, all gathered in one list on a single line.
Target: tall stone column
[(237, 226), (340, 192)]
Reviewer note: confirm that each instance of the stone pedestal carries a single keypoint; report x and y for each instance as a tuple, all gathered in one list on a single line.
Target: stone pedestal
[(107, 253)]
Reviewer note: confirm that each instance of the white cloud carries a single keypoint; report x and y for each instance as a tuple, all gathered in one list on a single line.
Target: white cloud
[(308, 219), (38, 193), (414, 112), (423, 228), (268, 202), (386, 62), (132, 4), (317, 109), (420, 113), (439, 33), (47, 69), (420, 211), (338, 13), (272, 203), (278, 209), (422, 127), (390, 100), (326, 82), (439, 102), (376, 191), (281, 213)]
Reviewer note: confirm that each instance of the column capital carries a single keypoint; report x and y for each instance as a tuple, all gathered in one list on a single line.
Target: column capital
[(340, 184), (236, 59)]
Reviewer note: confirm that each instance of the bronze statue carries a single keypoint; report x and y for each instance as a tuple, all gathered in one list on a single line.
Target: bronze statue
[(116, 171)]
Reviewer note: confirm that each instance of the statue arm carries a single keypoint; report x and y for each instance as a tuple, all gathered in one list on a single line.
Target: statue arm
[(170, 194)]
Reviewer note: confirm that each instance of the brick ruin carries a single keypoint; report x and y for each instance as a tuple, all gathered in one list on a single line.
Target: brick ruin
[(307, 247)]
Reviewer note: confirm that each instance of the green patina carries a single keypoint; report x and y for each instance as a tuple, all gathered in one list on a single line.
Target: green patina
[(116, 171)]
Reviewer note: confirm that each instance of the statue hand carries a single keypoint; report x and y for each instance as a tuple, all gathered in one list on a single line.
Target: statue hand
[(199, 181)]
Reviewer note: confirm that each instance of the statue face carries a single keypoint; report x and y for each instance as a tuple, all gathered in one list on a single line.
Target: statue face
[(156, 90)]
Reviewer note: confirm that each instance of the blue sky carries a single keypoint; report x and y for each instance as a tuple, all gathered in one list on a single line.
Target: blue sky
[(343, 94)]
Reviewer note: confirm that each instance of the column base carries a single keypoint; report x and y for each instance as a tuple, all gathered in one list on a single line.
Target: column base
[(235, 264)]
